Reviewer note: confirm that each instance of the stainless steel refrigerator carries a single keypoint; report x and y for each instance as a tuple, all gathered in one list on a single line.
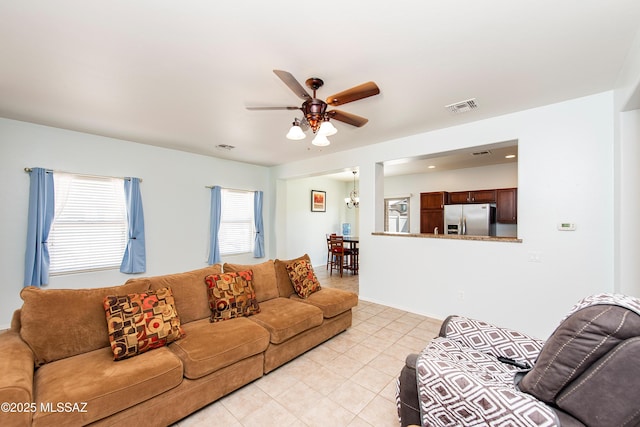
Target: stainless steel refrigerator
[(471, 220)]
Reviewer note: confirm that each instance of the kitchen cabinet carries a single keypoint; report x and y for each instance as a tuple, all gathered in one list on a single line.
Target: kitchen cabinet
[(432, 211), (477, 196), (435, 200), (458, 197), (507, 205)]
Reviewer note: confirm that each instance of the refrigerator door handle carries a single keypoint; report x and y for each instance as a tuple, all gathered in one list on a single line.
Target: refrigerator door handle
[(464, 225)]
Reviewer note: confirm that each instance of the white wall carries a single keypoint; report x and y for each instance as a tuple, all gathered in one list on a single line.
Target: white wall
[(627, 175), (628, 205), (306, 230), (565, 173), (303, 231), (175, 200)]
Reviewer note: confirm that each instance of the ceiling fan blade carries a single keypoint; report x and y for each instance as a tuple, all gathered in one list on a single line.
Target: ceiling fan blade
[(273, 108), (293, 84), (364, 90), (348, 118)]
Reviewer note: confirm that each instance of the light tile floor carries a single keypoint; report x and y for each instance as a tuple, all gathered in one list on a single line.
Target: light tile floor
[(347, 381)]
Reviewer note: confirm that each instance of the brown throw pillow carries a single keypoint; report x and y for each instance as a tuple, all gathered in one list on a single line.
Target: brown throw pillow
[(231, 295), (303, 278), (141, 322)]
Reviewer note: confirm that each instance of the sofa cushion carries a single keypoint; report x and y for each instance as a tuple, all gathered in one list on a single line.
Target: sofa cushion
[(189, 291), (303, 278), (231, 295), (285, 287), (105, 386), (141, 322), (331, 301), (59, 323), (264, 278), (285, 318), (209, 347)]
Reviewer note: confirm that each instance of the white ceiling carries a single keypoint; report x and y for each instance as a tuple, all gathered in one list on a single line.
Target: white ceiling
[(180, 74)]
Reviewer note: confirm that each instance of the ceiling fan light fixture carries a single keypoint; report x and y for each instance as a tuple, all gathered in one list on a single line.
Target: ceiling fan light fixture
[(327, 129), (320, 141), (314, 110), (295, 133)]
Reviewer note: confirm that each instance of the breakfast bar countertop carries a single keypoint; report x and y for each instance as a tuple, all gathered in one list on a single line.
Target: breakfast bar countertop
[(451, 236)]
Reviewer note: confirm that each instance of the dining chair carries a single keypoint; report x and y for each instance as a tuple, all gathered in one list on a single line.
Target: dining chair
[(338, 254), (329, 256)]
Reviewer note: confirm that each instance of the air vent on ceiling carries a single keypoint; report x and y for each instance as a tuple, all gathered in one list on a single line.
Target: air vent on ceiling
[(481, 153), (462, 106), (225, 147)]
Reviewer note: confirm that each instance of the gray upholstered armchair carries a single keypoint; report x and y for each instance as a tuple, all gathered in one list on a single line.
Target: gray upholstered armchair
[(476, 374)]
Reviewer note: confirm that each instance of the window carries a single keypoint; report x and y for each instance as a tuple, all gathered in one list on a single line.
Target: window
[(89, 229), (396, 215), (237, 229)]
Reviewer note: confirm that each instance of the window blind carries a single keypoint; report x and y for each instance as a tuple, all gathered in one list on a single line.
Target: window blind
[(89, 230), (237, 229)]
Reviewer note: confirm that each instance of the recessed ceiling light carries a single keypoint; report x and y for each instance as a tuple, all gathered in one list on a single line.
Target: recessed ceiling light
[(510, 156), (431, 167)]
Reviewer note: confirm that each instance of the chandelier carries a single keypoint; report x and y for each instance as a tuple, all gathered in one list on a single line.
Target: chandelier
[(353, 200)]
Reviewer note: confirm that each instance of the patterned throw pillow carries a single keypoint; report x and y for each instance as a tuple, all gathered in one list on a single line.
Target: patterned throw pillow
[(303, 278), (231, 295), (141, 322)]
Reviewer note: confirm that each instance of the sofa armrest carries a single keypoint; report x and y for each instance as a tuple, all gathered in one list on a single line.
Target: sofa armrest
[(407, 393), (492, 339), (16, 378)]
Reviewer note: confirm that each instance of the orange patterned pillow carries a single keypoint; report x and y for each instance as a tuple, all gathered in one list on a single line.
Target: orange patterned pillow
[(141, 322), (303, 278), (231, 295)]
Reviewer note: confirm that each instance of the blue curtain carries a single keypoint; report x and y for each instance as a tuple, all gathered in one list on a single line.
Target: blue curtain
[(41, 211), (216, 213), (258, 250), (135, 257)]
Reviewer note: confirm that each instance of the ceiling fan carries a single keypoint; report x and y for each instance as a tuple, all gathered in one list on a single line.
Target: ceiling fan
[(314, 110)]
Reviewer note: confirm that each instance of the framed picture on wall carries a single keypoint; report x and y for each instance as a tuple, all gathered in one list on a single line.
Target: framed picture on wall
[(318, 201)]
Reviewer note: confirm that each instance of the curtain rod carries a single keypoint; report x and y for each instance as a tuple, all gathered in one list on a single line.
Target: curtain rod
[(232, 189), (29, 170)]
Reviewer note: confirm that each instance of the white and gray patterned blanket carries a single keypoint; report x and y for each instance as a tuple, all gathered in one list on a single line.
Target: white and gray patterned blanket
[(461, 382), (459, 385)]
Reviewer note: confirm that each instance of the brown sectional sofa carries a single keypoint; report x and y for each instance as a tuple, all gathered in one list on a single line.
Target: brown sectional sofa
[(57, 366)]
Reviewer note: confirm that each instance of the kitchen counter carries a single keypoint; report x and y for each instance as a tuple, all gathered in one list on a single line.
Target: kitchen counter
[(451, 237)]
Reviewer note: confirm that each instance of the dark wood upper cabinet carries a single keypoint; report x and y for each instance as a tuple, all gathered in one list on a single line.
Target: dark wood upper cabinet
[(457, 197), (477, 196), (507, 205), (434, 200), (483, 196)]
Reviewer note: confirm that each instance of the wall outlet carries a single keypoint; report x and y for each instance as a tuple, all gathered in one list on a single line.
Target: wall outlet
[(461, 295), (535, 256)]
